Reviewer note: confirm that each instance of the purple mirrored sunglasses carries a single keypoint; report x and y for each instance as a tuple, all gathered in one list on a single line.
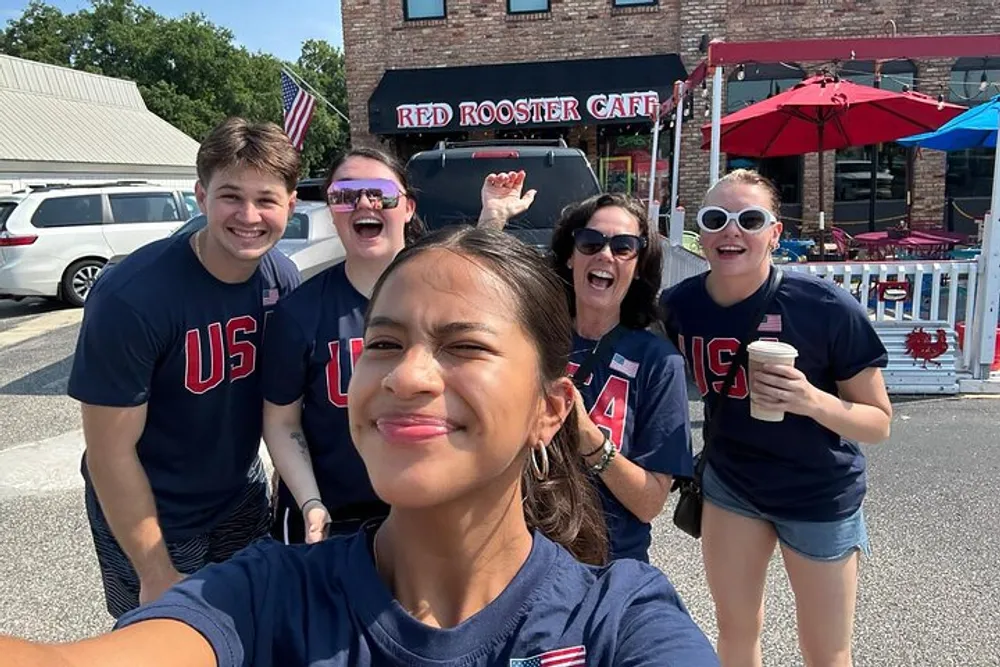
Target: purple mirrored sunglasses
[(343, 196)]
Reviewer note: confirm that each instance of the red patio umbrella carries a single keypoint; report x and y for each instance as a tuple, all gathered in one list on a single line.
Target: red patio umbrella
[(822, 113)]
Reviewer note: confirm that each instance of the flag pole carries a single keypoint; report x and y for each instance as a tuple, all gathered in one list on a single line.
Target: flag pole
[(305, 84)]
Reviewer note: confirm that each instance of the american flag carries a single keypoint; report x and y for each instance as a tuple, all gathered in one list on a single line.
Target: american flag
[(771, 323), (298, 106), (270, 297), (623, 365), (564, 657)]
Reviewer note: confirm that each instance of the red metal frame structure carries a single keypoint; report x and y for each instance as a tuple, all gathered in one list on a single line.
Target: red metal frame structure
[(721, 53), (854, 48)]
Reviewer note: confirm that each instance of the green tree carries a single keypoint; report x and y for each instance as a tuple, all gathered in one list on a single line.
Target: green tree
[(189, 70), (43, 33)]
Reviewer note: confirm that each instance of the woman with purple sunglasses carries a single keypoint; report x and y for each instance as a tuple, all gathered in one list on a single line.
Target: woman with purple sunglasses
[(312, 343), (632, 406)]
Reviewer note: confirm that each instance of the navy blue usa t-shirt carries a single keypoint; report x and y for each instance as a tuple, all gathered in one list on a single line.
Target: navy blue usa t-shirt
[(159, 329), (638, 397), (795, 469), (325, 605), (313, 340)]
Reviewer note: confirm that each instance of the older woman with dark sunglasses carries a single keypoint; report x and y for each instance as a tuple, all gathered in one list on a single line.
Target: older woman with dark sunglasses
[(633, 406)]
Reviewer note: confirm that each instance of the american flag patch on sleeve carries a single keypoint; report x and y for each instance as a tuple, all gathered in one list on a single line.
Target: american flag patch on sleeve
[(771, 323), (270, 296), (623, 365), (563, 657)]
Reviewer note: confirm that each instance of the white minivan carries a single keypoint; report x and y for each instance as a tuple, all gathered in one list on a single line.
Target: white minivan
[(54, 239)]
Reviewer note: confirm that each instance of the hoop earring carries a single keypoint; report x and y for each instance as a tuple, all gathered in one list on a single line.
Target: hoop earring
[(541, 472)]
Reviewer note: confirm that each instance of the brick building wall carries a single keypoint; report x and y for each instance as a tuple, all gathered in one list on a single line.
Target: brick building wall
[(377, 37)]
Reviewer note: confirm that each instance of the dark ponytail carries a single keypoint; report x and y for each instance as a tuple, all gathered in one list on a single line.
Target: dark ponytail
[(416, 228), (564, 506)]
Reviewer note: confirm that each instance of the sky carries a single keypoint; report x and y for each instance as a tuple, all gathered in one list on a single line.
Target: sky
[(259, 25)]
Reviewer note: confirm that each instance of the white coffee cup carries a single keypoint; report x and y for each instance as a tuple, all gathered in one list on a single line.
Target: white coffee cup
[(768, 352)]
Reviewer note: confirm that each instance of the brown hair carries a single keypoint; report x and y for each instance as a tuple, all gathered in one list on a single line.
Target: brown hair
[(751, 177), (236, 142), (564, 506), (415, 228), (639, 308)]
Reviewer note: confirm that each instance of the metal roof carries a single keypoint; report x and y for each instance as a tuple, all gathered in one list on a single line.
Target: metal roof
[(56, 114)]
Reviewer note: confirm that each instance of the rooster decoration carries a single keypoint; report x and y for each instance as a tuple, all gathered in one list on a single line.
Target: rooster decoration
[(920, 345)]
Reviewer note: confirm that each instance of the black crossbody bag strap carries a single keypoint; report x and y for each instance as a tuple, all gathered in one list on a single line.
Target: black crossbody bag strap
[(711, 426), (600, 350)]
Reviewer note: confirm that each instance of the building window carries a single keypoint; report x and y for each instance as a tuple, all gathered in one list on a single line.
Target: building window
[(852, 181), (416, 10), (633, 3), (974, 81), (527, 6), (760, 82), (969, 179)]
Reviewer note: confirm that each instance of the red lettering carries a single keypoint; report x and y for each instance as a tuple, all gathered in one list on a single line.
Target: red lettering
[(425, 116), (596, 106), (336, 379), (243, 352), (404, 116), (522, 111), (487, 112), (720, 354), (553, 107), (698, 364), (652, 105), (618, 107), (505, 112), (571, 109), (467, 114), (538, 110), (611, 409), (194, 374)]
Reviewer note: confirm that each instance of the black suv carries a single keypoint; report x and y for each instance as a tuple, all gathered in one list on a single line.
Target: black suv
[(448, 180)]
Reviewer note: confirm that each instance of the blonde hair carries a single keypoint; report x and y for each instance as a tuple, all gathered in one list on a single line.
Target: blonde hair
[(751, 177)]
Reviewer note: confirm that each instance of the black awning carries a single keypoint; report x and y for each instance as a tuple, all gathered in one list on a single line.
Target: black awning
[(521, 95)]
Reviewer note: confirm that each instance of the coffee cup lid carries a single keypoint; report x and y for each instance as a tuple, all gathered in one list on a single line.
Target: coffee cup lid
[(773, 347)]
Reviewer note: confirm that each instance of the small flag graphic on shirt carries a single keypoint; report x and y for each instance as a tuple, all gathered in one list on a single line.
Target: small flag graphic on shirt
[(623, 365), (771, 323), (270, 297), (564, 657)]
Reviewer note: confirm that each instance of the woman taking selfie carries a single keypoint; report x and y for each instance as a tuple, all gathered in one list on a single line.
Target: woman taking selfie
[(461, 411), (786, 470), (632, 406)]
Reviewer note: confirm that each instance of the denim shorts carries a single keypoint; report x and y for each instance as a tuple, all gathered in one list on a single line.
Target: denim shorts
[(816, 540)]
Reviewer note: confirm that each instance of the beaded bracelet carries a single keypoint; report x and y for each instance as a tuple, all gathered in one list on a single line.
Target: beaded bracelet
[(610, 452)]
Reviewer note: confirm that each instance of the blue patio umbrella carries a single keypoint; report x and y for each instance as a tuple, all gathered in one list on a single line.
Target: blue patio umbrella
[(975, 128)]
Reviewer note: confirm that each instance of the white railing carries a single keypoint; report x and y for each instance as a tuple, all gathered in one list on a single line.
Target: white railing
[(918, 291), (935, 291)]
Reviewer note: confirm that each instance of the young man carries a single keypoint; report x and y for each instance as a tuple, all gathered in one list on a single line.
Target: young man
[(166, 371)]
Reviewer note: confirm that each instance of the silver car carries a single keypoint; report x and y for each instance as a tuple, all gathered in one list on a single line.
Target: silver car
[(310, 239)]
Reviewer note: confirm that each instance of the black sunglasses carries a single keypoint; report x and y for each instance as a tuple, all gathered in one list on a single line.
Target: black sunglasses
[(623, 246)]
